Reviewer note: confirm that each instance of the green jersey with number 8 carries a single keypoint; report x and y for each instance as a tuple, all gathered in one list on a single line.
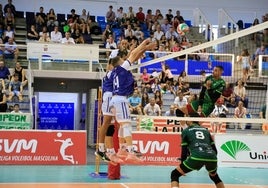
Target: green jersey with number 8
[(199, 143)]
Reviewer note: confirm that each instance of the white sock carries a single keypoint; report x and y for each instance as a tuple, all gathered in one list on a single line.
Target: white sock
[(101, 147), (111, 150), (123, 146), (130, 149)]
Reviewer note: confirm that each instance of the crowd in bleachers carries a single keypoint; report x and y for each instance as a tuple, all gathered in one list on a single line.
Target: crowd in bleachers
[(124, 30)]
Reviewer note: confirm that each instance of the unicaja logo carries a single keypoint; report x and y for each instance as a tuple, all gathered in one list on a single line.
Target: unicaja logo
[(232, 147)]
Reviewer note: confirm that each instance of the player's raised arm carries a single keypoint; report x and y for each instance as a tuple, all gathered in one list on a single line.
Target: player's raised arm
[(139, 51)]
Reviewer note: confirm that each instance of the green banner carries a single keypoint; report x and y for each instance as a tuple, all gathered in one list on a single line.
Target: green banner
[(15, 121)]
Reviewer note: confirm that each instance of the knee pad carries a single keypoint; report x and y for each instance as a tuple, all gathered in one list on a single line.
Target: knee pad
[(216, 179), (110, 131), (175, 175), (126, 130)]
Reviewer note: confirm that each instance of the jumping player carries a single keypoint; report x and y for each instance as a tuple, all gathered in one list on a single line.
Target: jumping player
[(211, 91), (107, 151), (197, 141), (123, 86)]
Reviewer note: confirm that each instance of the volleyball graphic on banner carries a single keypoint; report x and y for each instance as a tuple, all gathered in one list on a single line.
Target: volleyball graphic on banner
[(146, 124)]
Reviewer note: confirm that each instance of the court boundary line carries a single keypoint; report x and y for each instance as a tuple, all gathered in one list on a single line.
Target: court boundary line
[(125, 184)]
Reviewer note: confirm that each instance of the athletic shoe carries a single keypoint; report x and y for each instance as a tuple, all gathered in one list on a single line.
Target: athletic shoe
[(133, 157), (122, 153), (114, 158), (102, 155), (137, 153)]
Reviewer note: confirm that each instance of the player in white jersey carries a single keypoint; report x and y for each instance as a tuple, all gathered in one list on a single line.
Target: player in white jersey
[(123, 86)]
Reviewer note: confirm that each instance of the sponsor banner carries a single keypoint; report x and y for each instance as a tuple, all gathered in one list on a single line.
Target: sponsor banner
[(15, 121), (56, 116), (172, 125), (158, 148), (176, 66), (195, 67), (31, 147), (242, 150), (62, 52)]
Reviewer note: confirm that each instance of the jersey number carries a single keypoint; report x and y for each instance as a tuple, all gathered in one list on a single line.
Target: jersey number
[(116, 83), (199, 135)]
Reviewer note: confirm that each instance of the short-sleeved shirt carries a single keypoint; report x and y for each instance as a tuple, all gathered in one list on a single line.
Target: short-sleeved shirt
[(199, 142), (4, 73), (134, 101), (15, 86)]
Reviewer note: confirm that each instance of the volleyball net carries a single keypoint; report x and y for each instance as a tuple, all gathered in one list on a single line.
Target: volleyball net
[(200, 59)]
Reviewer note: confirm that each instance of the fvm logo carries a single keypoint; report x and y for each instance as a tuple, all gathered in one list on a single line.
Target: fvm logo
[(151, 146)]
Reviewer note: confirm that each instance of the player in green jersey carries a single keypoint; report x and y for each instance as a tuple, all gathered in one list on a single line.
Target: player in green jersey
[(198, 143), (211, 91)]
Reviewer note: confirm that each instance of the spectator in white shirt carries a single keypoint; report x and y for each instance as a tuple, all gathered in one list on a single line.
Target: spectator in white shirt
[(16, 109), (67, 39), (158, 33), (171, 111), (56, 36), (180, 103), (152, 109)]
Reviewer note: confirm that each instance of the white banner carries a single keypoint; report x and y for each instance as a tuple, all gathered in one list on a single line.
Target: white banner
[(242, 150), (62, 52)]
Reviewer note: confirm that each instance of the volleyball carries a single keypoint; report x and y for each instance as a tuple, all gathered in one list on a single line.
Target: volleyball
[(182, 28), (146, 124)]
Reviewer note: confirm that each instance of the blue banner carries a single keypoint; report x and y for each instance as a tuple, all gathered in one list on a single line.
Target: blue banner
[(56, 116), (176, 66), (195, 67)]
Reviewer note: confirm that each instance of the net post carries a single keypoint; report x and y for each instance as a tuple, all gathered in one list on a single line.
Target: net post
[(97, 160)]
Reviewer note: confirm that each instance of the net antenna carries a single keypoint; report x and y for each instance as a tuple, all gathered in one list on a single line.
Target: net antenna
[(193, 49)]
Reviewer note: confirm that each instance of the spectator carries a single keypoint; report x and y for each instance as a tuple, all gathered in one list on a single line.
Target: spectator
[(107, 32), (129, 31), (119, 15), (131, 15), (84, 16), (145, 77), (110, 44), (135, 103), (156, 86), (171, 111), (11, 50), (183, 77), (228, 95), (152, 109), (8, 33), (52, 19), (144, 99), (240, 93), (171, 33), (9, 18), (15, 88), (220, 109), (244, 58), (67, 39), (40, 18), (20, 71), (4, 74), (33, 34), (110, 15), (158, 98), (10, 6), (158, 33), (240, 112), (140, 15), (149, 19), (73, 20), (45, 37), (16, 109), (259, 51), (78, 37), (180, 103), (169, 15), (168, 73), (56, 36), (165, 26), (3, 99)]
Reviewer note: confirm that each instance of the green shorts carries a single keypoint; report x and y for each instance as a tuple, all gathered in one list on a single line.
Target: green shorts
[(195, 164), (207, 108)]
